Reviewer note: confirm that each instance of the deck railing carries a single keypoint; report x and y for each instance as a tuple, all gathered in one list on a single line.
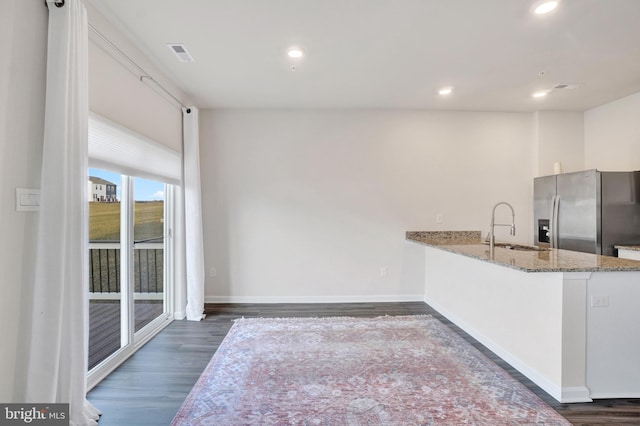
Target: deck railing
[(104, 269)]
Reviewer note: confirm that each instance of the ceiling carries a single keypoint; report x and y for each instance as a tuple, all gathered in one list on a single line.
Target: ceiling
[(390, 53)]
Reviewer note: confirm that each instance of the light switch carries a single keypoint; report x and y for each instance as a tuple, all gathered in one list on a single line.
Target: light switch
[(27, 200)]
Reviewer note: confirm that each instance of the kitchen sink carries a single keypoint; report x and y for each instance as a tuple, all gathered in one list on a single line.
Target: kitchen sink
[(520, 247)]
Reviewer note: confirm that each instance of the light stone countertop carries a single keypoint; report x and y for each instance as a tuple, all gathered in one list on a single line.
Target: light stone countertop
[(631, 248), (470, 244)]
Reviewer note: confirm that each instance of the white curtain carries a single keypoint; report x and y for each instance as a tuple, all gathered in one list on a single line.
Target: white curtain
[(194, 247), (57, 355)]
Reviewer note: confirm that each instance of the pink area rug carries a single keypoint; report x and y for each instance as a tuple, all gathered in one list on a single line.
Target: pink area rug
[(409, 370)]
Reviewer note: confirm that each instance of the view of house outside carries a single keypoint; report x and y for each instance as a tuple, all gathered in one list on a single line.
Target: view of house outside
[(104, 207)]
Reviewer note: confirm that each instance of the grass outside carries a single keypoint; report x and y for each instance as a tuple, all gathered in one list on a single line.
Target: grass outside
[(104, 264), (104, 221)]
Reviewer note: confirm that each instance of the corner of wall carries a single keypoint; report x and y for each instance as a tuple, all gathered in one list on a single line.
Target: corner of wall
[(612, 135), (559, 142)]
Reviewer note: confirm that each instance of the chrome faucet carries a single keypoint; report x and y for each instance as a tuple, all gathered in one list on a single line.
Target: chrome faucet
[(493, 224)]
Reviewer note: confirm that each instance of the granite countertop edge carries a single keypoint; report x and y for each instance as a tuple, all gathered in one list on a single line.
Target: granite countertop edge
[(628, 247), (462, 242)]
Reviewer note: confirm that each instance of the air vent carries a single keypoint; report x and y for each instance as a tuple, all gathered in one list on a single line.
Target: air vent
[(565, 86), (181, 52)]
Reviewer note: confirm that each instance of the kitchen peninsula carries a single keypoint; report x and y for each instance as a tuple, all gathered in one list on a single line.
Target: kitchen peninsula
[(566, 320)]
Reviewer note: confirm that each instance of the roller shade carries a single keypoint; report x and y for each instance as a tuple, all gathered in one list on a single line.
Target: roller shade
[(116, 148)]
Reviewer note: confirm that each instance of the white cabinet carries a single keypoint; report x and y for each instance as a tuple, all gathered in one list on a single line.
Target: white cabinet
[(629, 254), (574, 334)]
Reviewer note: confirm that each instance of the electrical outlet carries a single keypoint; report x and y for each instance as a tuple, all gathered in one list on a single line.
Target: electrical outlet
[(439, 218), (213, 272), (384, 271), (599, 301)]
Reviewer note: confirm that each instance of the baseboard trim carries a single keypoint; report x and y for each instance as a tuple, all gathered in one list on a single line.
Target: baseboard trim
[(569, 394), (576, 394), (614, 395), (317, 299)]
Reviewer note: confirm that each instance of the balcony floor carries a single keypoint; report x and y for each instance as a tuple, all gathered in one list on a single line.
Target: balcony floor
[(104, 325)]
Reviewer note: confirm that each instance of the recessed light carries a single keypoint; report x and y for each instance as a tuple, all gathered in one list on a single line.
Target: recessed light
[(445, 91), (295, 53), (540, 94), (545, 7)]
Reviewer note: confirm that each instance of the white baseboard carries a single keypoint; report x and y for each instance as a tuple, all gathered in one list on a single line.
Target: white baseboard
[(576, 394), (316, 299), (614, 395), (572, 394)]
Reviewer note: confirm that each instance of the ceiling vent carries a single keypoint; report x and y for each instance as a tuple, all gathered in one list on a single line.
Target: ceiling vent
[(565, 86), (181, 52)]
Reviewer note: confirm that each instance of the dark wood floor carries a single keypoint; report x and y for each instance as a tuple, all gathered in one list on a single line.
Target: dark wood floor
[(104, 325), (149, 388)]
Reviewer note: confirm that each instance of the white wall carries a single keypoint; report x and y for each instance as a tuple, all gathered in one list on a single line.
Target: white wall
[(312, 204), (612, 135), (23, 29), (559, 139)]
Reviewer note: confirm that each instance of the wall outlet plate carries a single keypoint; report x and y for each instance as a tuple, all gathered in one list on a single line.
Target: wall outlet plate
[(599, 301)]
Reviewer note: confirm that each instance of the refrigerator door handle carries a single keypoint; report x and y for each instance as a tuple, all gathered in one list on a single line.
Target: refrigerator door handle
[(552, 225), (555, 205)]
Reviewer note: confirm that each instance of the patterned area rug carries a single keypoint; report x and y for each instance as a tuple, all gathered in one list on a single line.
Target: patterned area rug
[(409, 370)]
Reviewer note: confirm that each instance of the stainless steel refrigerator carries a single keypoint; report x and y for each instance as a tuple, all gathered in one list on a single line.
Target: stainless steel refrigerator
[(589, 211)]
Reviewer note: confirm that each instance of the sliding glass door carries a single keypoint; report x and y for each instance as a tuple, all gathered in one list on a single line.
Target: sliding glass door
[(148, 251), (105, 280), (131, 194), (129, 277)]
